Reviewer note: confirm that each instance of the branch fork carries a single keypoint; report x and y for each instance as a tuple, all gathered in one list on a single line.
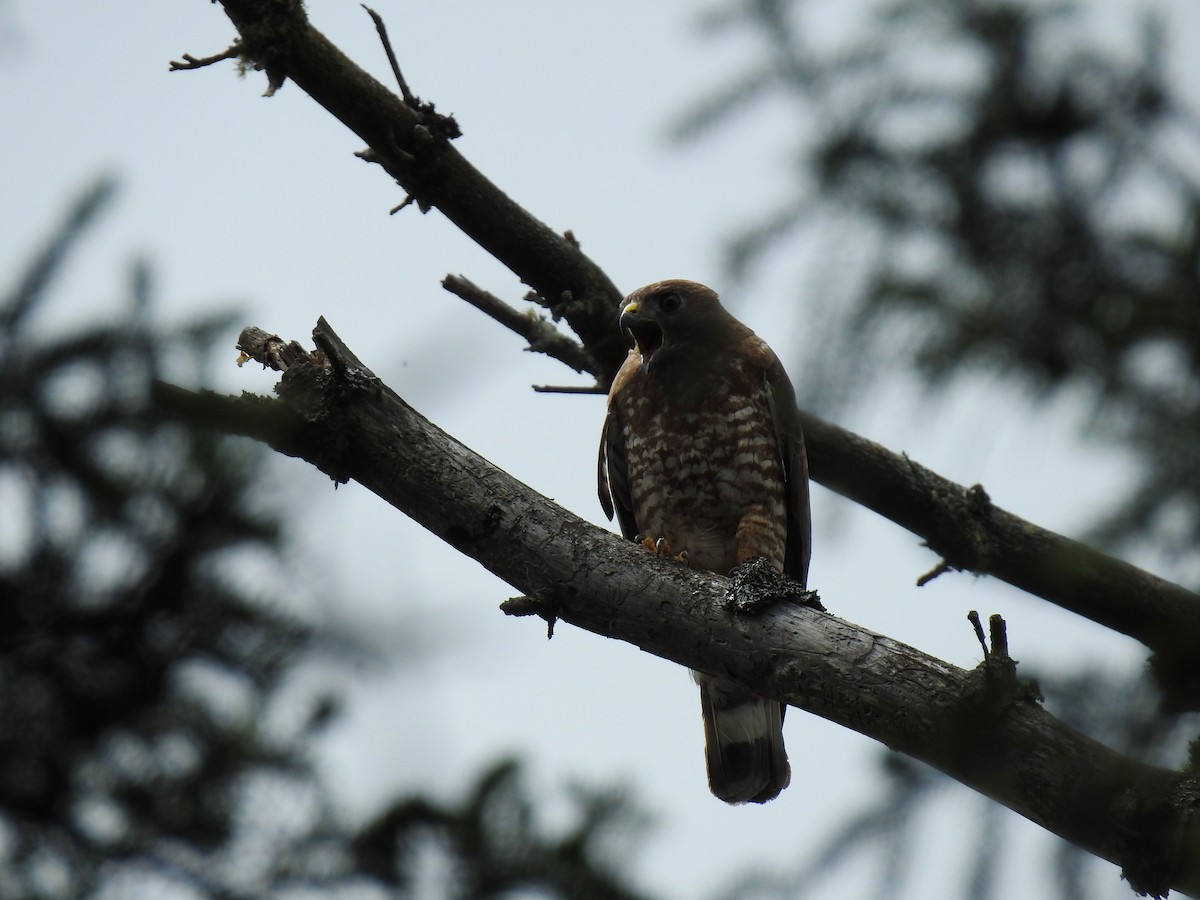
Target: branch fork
[(914, 703)]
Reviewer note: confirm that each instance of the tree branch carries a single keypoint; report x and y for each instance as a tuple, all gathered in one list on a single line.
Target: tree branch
[(969, 532), (233, 51), (980, 727), (411, 141), (409, 98), (542, 336)]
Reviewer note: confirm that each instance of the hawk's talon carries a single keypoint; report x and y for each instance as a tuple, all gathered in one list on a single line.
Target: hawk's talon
[(755, 584), (661, 547)]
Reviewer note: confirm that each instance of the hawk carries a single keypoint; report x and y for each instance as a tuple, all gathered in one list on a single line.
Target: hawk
[(702, 455)]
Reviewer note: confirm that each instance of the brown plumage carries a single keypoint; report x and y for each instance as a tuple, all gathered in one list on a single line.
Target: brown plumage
[(702, 446)]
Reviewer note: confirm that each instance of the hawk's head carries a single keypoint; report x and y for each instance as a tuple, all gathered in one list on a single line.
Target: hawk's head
[(669, 318)]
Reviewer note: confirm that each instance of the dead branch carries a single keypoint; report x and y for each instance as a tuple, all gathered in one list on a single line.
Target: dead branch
[(970, 533), (977, 727), (959, 523), (542, 336), (200, 62), (413, 145)]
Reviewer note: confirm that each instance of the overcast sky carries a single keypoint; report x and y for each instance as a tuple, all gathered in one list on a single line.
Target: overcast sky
[(257, 202)]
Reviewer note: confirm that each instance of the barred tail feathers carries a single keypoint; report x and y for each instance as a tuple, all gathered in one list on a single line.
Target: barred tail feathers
[(743, 737)]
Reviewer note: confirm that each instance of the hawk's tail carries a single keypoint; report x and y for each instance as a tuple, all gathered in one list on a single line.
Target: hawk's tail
[(743, 742)]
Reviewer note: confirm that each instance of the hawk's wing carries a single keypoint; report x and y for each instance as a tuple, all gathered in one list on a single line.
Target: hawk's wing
[(612, 477), (790, 439)]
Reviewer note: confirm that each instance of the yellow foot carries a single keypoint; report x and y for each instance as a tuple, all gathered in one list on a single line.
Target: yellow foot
[(662, 547)]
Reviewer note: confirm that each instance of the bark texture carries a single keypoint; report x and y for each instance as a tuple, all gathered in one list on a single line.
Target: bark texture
[(981, 727), (412, 142)]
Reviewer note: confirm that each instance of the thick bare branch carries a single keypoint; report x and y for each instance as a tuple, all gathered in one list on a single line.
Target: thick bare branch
[(980, 727), (412, 143), (960, 524)]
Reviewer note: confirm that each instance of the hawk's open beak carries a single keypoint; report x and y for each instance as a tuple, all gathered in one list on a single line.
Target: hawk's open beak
[(646, 334)]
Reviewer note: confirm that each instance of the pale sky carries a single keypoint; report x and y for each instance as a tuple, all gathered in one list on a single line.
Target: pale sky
[(236, 198)]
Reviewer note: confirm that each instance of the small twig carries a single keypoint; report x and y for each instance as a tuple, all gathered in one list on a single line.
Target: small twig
[(999, 634), (973, 617), (233, 51), (530, 606), (570, 388), (272, 351), (409, 99), (543, 337), (408, 200), (940, 569), (520, 606)]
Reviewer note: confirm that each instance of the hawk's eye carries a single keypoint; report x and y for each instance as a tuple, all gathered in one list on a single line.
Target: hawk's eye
[(670, 302)]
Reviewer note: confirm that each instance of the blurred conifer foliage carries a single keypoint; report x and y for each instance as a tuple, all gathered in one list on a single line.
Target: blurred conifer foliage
[(132, 671), (491, 845), (142, 747), (1007, 186)]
